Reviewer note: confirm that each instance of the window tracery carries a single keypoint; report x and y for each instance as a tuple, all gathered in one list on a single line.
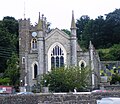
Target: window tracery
[(57, 57)]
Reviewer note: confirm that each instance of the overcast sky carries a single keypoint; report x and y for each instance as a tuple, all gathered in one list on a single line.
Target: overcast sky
[(58, 12)]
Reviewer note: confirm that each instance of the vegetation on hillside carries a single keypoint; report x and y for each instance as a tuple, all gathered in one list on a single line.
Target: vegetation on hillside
[(112, 53), (104, 32)]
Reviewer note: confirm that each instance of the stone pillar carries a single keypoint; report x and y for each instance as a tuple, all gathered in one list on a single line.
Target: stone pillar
[(40, 46), (73, 42), (92, 65)]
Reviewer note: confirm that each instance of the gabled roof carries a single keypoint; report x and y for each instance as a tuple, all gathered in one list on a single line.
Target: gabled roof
[(58, 31)]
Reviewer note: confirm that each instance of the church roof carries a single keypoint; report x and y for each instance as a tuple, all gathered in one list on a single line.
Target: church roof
[(59, 31)]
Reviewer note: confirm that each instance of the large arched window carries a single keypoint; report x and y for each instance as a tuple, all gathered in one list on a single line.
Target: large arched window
[(34, 43), (56, 56)]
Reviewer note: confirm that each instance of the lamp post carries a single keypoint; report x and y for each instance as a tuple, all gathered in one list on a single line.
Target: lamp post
[(21, 82), (45, 83), (45, 88)]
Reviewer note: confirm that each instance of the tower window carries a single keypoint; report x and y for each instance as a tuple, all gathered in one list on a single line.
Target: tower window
[(19, 41), (34, 44), (23, 60)]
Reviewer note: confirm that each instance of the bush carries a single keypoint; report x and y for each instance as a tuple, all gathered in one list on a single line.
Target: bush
[(66, 79)]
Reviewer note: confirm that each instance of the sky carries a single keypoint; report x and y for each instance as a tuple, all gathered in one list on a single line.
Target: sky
[(57, 12)]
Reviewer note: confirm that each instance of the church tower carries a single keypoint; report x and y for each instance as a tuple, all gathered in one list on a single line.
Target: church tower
[(73, 42), (24, 26)]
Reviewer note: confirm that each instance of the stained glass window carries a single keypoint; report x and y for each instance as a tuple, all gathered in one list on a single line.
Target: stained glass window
[(57, 57)]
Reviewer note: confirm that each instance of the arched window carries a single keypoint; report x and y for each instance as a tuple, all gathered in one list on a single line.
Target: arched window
[(23, 60), (82, 64), (57, 57), (35, 71), (34, 44)]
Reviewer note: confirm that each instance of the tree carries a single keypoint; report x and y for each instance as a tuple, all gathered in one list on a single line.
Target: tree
[(105, 55), (66, 31), (4, 81), (11, 24), (93, 31), (103, 32), (115, 52), (12, 71), (112, 28), (80, 24), (112, 53), (66, 79), (115, 79), (8, 40)]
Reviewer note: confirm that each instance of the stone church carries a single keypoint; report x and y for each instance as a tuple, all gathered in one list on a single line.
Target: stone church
[(41, 49)]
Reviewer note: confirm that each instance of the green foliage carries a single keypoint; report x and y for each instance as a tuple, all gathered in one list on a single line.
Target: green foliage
[(115, 79), (105, 55), (66, 31), (115, 51), (11, 25), (103, 32), (4, 81), (80, 24), (12, 71), (112, 53), (8, 40), (112, 72), (66, 79)]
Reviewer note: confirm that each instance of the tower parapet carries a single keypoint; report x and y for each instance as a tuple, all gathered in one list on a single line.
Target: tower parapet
[(24, 28), (24, 23)]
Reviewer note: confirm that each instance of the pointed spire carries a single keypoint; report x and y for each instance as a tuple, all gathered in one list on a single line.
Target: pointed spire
[(90, 45), (73, 26), (39, 26)]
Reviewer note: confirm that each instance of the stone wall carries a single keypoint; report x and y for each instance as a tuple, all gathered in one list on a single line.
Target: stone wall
[(61, 98), (112, 87), (66, 99)]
